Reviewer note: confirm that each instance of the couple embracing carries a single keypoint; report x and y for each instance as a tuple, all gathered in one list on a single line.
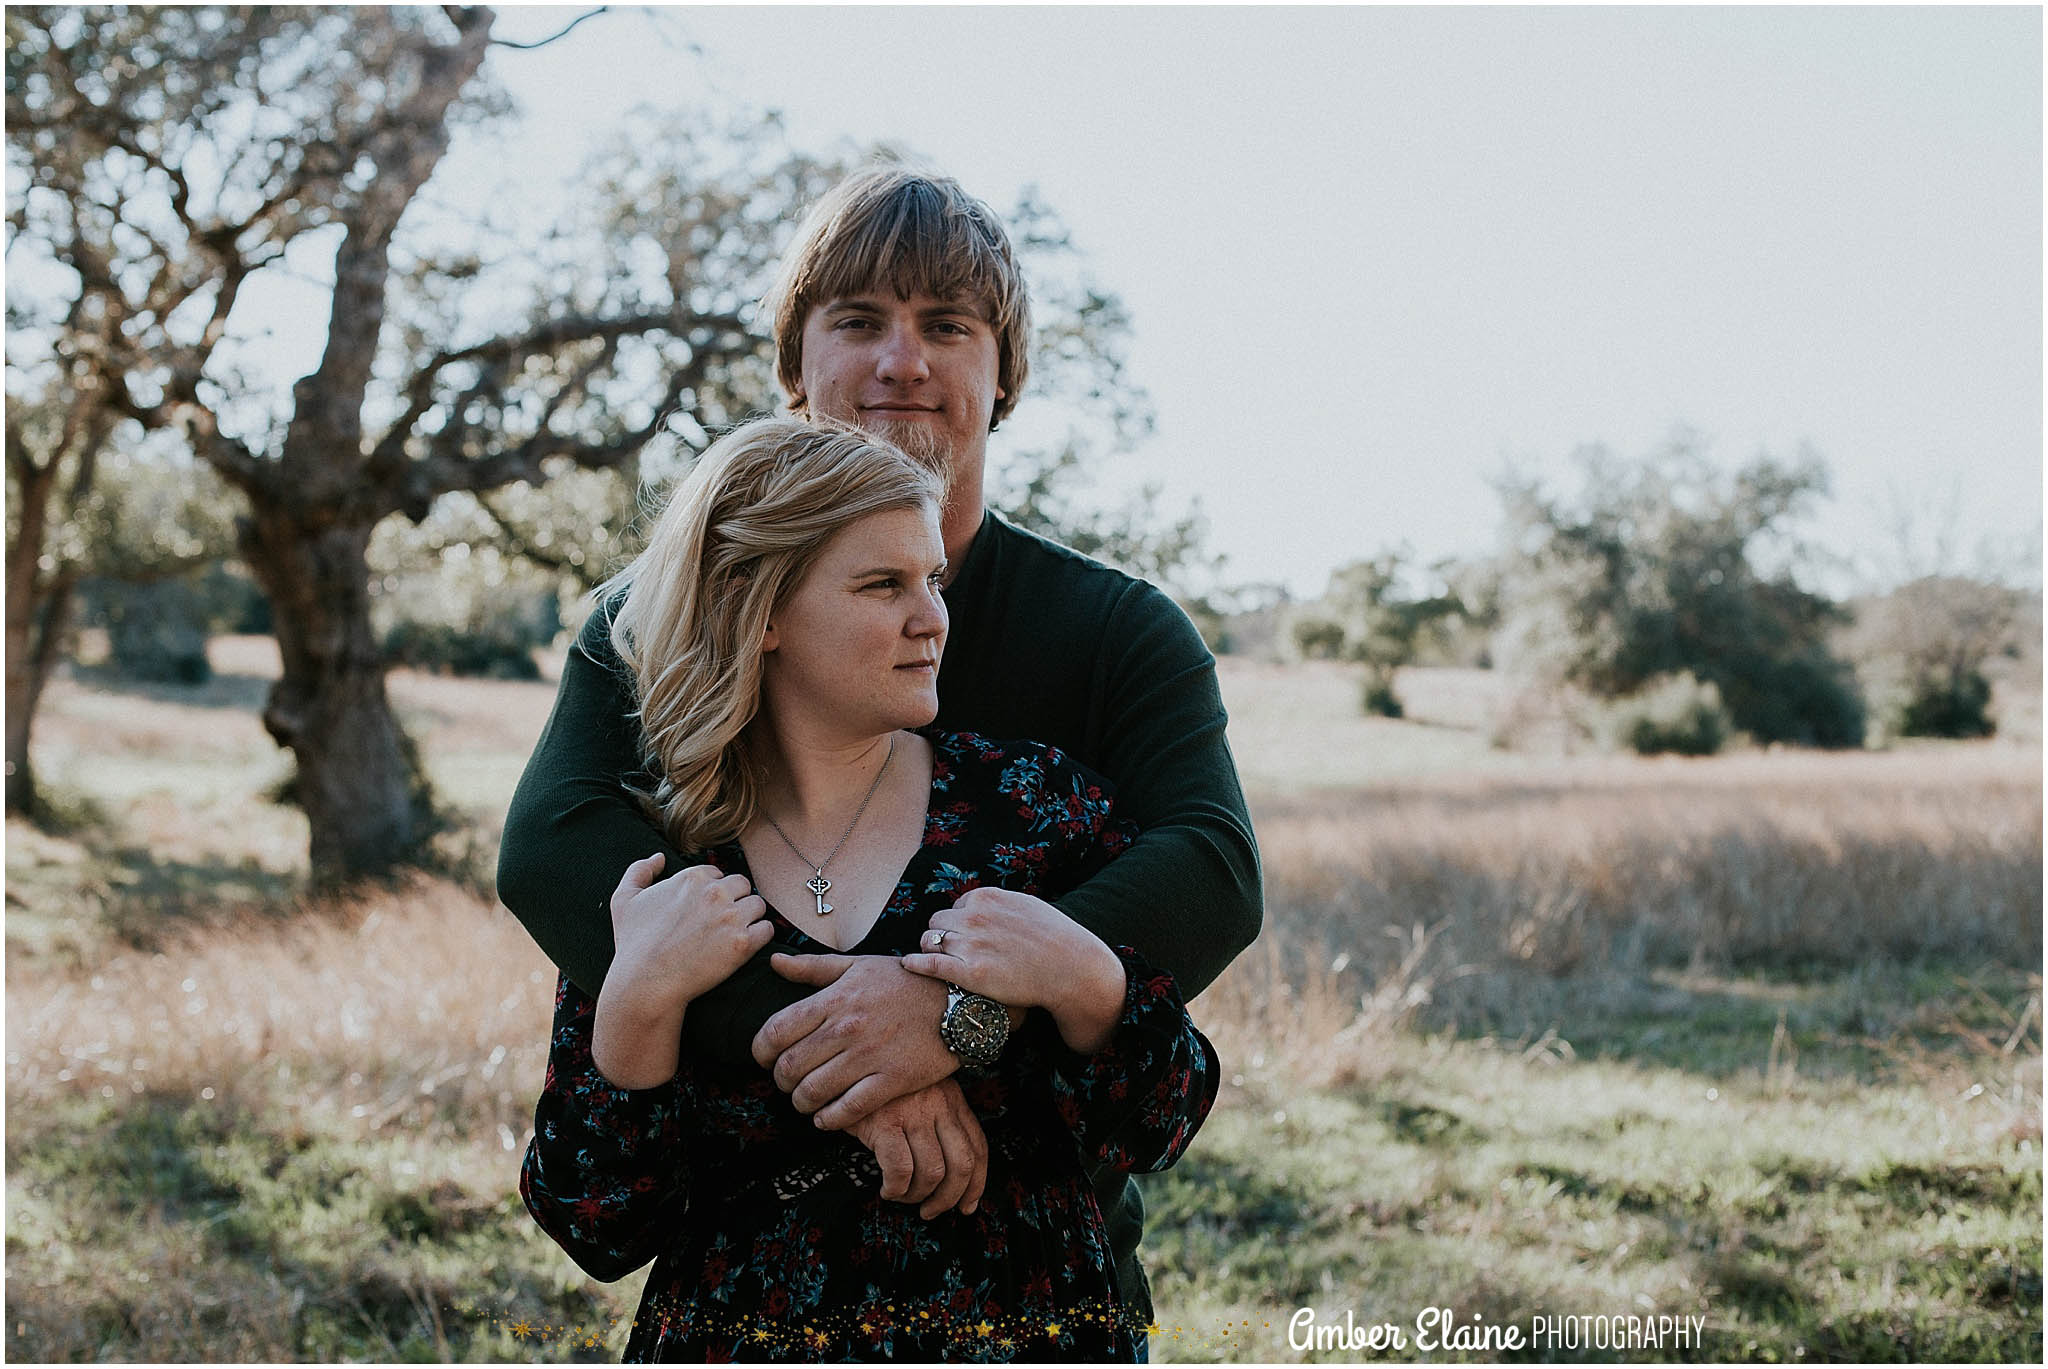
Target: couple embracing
[(927, 829)]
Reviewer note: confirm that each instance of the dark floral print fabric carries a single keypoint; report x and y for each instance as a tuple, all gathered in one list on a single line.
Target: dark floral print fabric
[(769, 1239)]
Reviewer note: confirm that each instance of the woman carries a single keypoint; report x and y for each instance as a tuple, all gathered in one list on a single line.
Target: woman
[(784, 629)]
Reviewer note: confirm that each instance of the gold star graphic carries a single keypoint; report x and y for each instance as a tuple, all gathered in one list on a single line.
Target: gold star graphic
[(522, 1329), (1052, 1328), (985, 1328), (1154, 1329), (761, 1333)]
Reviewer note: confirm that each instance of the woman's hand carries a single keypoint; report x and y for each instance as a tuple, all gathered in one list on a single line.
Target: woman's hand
[(675, 939), (689, 932), (1024, 952)]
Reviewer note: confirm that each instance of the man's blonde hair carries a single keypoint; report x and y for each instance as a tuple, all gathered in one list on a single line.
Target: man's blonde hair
[(734, 542), (912, 233)]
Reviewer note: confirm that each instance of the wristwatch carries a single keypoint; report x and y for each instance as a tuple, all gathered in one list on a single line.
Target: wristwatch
[(974, 1026)]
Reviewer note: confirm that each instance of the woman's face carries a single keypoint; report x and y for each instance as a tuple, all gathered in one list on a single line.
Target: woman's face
[(854, 650)]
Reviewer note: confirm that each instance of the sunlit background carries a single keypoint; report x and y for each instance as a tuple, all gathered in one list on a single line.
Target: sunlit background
[(1374, 256)]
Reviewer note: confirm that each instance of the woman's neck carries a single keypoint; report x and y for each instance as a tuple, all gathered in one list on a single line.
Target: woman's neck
[(813, 782)]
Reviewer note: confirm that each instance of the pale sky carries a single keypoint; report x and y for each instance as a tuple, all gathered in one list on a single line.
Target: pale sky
[(1373, 254)]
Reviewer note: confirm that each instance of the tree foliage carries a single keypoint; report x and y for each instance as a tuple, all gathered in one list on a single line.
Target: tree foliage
[(170, 157), (1667, 567), (1923, 650), (171, 163), (1369, 615)]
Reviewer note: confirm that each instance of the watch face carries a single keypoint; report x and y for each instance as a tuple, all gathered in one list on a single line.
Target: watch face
[(975, 1028)]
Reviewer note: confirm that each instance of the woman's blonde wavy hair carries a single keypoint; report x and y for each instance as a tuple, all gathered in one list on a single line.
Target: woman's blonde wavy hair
[(736, 538)]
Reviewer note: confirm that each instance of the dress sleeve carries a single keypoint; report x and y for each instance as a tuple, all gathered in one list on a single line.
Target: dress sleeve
[(1079, 808), (606, 1174), (1135, 1104)]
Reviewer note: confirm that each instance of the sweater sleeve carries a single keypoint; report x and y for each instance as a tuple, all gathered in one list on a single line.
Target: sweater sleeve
[(1135, 1104), (574, 827), (606, 1174), (1187, 892)]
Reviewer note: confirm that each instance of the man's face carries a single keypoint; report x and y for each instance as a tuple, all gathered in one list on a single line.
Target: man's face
[(920, 372)]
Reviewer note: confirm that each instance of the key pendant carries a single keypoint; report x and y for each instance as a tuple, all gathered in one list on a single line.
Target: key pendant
[(818, 885)]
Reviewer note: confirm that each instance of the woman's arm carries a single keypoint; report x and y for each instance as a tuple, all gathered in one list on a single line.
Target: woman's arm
[(1135, 1078), (606, 1175), (1137, 1102), (573, 826)]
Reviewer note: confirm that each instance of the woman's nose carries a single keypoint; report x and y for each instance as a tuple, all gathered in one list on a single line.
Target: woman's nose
[(929, 619)]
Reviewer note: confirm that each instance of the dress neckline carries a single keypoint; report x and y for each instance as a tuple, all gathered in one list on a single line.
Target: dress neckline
[(899, 894)]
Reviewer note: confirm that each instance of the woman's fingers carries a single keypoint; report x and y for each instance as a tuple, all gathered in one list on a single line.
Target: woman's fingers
[(932, 966), (641, 873)]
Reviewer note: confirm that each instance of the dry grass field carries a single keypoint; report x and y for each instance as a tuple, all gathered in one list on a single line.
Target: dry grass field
[(1755, 1040)]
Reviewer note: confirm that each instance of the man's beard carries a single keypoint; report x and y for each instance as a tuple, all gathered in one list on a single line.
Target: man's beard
[(917, 441)]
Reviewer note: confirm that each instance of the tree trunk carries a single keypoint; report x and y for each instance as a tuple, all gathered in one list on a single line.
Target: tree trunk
[(354, 780), (29, 658)]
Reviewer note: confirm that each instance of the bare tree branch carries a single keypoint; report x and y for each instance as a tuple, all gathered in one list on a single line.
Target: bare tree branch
[(564, 33)]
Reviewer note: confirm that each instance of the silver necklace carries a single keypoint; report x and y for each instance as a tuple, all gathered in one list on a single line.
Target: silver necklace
[(817, 883)]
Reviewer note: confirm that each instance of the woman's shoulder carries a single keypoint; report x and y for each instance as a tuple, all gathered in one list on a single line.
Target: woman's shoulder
[(977, 749), (1014, 766)]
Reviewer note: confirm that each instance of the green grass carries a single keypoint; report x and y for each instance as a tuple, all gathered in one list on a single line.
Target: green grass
[(245, 1125), (1832, 1219)]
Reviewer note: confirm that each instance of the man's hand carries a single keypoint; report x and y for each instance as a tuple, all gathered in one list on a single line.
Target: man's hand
[(870, 1034), (931, 1149)]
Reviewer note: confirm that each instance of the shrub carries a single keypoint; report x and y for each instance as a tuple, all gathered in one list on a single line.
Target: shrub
[(1678, 715), (1952, 707), (1377, 697), (156, 630), (500, 650)]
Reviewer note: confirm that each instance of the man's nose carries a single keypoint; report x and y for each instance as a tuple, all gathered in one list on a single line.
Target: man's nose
[(901, 359)]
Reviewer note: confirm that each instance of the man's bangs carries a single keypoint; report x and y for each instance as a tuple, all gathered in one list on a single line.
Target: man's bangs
[(917, 249)]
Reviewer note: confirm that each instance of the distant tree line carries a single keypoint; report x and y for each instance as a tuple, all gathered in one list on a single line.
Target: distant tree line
[(1673, 598)]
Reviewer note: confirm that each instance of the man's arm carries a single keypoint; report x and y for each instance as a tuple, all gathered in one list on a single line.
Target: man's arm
[(1187, 894), (573, 829)]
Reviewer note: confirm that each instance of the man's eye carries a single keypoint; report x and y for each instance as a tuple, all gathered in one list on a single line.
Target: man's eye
[(886, 583)]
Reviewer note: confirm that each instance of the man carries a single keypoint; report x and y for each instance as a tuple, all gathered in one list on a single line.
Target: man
[(901, 309)]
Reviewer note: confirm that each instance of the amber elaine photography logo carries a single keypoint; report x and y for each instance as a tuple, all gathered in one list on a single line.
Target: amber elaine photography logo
[(1438, 1329)]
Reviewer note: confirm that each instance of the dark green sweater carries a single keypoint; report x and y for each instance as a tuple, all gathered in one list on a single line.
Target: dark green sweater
[(1045, 645)]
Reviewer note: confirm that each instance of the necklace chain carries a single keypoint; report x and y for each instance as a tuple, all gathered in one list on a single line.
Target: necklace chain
[(818, 884)]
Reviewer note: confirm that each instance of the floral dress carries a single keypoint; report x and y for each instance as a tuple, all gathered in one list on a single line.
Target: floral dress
[(769, 1239)]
